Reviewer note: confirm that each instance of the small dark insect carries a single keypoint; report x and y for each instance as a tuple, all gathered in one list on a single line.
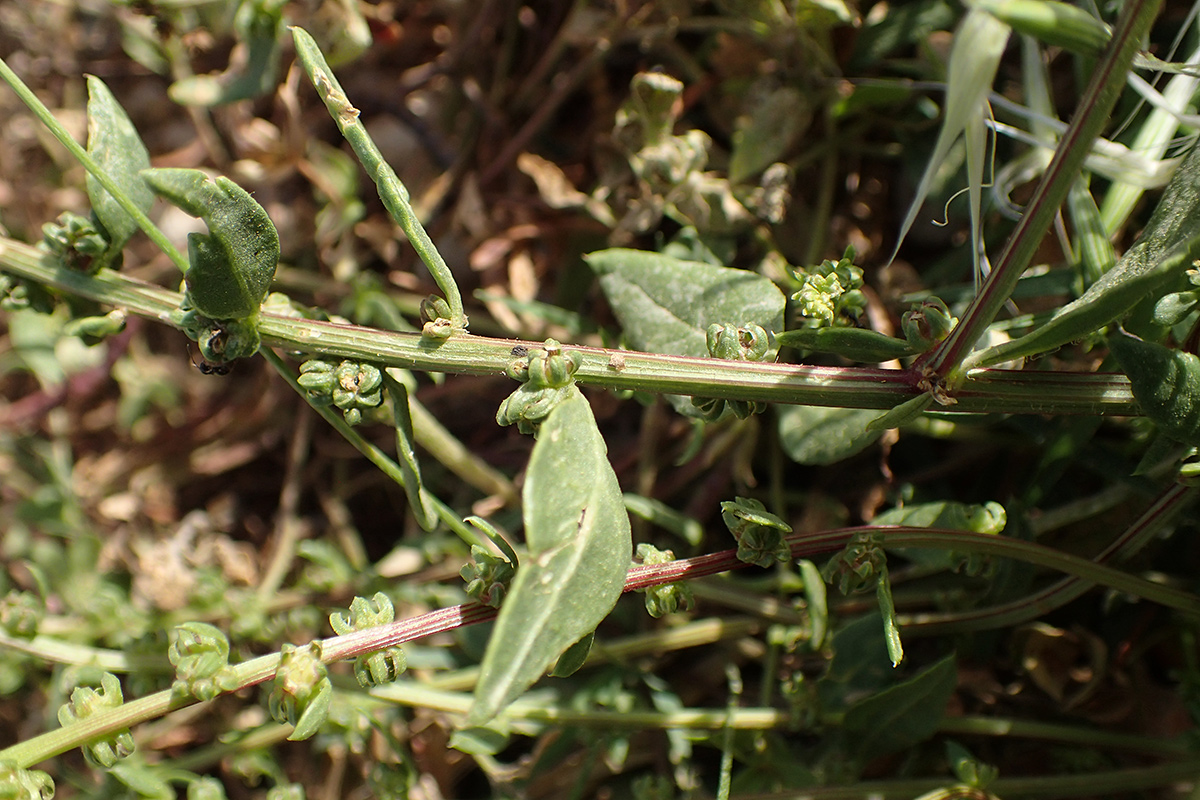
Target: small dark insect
[(207, 367), (520, 351)]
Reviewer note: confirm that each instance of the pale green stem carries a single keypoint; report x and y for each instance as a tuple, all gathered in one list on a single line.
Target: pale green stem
[(47, 648), (64, 137), (995, 391), (391, 190), (432, 436)]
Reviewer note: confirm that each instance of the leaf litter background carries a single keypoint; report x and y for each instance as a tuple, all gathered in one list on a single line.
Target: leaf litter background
[(501, 119)]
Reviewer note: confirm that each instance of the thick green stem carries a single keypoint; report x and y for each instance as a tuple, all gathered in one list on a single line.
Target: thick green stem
[(987, 391), (391, 190)]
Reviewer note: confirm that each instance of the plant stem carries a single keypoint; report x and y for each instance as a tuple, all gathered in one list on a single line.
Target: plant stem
[(1092, 115), (79, 154), (985, 391), (391, 190), (32, 751)]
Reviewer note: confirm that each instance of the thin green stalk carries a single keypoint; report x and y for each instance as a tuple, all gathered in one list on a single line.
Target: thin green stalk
[(57, 651), (413, 694), (393, 193), (1065, 734), (1089, 120), (1167, 507), (79, 154), (986, 391), (692, 634)]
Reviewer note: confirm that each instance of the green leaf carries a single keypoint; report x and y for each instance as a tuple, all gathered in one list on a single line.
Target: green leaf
[(990, 518), (901, 414), (818, 435), (1165, 382), (254, 64), (406, 455), (979, 42), (901, 715), (232, 268), (665, 305), (857, 344), (116, 147), (767, 131), (1167, 247), (580, 549)]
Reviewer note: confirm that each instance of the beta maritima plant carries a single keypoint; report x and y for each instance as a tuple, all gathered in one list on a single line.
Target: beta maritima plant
[(763, 362)]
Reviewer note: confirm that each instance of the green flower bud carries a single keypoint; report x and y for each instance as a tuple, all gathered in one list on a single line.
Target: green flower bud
[(351, 386), (302, 692), (926, 323), (665, 598), (93, 330), (21, 613), (76, 240), (221, 341), (206, 787), (200, 654), (488, 576), (761, 535), (858, 567), (18, 295), (831, 293), (437, 317), (382, 666), (318, 378), (105, 751), (24, 784)]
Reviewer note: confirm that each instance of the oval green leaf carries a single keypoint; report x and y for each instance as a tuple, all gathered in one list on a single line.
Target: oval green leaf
[(665, 304), (118, 149), (580, 549), (232, 268)]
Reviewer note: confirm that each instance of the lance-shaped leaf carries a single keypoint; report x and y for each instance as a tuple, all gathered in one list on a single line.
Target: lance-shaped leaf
[(116, 147), (1167, 247), (579, 544), (406, 455), (979, 43), (230, 269)]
